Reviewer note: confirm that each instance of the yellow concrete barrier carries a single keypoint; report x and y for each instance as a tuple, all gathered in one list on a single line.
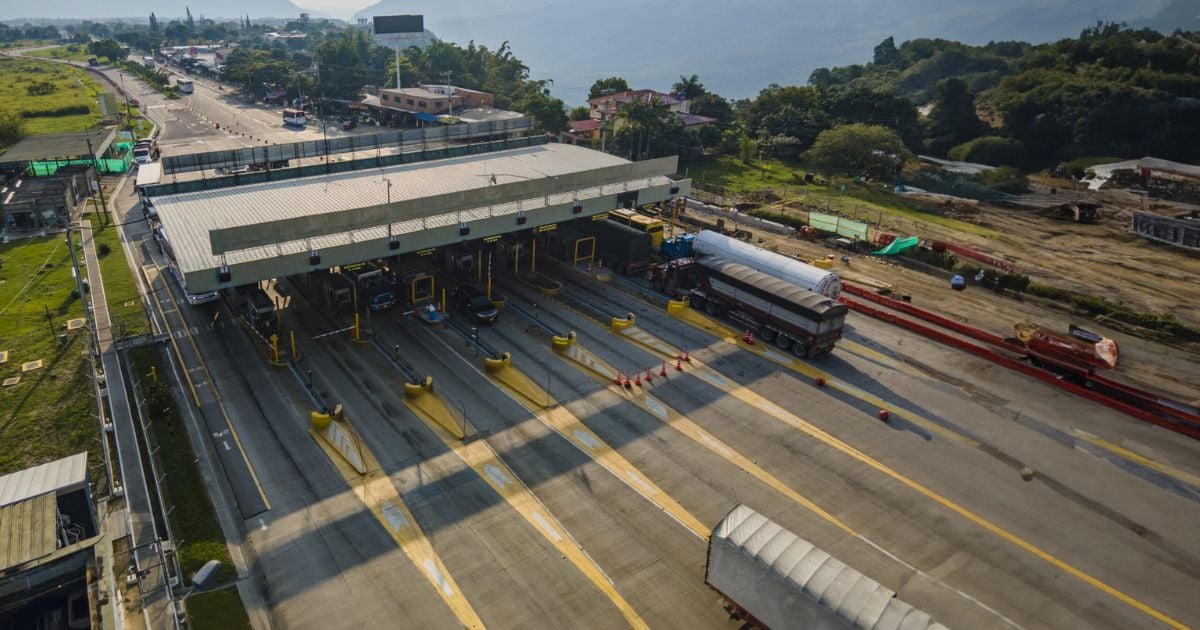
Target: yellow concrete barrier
[(621, 323), (500, 301), (676, 306), (561, 343), (320, 421), (414, 390), (494, 365)]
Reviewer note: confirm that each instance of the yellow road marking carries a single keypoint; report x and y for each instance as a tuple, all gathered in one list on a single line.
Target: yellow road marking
[(830, 440), (487, 464), (170, 333), (376, 491), (1170, 471), (874, 355), (559, 419), (605, 373), (211, 383), (732, 336)]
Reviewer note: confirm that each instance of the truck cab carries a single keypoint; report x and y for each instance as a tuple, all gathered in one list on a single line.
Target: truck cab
[(675, 278), (259, 311), (372, 285), (339, 293)]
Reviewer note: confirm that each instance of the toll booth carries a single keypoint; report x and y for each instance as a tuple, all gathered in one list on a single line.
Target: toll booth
[(418, 287)]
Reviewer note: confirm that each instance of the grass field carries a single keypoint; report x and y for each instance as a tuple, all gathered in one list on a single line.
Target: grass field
[(73, 52), (217, 610), (120, 288), (785, 180), (50, 413), (71, 87), (193, 521)]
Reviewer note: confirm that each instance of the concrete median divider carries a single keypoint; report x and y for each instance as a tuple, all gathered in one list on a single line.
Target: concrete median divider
[(362, 472), (617, 324), (421, 399)]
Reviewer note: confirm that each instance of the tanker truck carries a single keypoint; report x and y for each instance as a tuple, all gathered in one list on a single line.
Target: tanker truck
[(710, 243)]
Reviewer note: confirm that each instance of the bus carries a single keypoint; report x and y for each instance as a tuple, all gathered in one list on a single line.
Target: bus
[(195, 299), (641, 223), (296, 117), (184, 86)]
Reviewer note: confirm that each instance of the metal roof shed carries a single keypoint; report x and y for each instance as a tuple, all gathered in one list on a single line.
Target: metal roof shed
[(59, 477), (787, 583)]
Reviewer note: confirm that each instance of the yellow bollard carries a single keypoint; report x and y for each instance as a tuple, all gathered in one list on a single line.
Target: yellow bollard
[(274, 348), (154, 374), (295, 355), (443, 299), (533, 257), (357, 331)]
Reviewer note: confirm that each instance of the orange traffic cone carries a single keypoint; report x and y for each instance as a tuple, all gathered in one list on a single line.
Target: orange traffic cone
[(686, 355), (678, 365), (617, 380), (628, 384), (649, 377), (638, 382), (663, 372)]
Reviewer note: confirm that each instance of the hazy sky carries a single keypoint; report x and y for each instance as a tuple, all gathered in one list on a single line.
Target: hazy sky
[(336, 8)]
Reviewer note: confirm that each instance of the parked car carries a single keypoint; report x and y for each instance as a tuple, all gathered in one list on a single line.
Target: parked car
[(349, 124), (473, 302)]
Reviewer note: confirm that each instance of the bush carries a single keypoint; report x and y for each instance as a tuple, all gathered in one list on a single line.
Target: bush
[(1078, 167), (43, 88), (69, 110), (104, 249), (993, 151), (1005, 179)]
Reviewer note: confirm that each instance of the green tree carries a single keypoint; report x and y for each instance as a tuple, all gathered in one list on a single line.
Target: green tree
[(645, 118), (191, 24), (859, 148), (886, 53), (256, 71), (107, 48), (616, 84), (992, 150), (549, 113), (583, 112), (12, 127), (690, 87), (1005, 179), (153, 23), (344, 71), (746, 147), (852, 104), (953, 120)]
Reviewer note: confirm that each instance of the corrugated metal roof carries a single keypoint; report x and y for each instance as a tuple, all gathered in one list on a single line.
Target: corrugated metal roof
[(28, 530), (188, 217), (856, 598), (64, 474)]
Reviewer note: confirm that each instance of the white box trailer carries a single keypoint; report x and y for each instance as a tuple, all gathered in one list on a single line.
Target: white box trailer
[(826, 283), (782, 582)]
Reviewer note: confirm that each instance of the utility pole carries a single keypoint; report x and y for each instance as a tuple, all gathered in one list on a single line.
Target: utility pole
[(446, 74), (99, 184), (397, 66)]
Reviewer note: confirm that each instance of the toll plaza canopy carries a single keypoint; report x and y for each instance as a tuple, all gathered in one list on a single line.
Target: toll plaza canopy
[(280, 228)]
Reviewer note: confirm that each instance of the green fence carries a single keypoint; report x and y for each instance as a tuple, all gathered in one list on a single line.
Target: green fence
[(106, 165), (837, 225)]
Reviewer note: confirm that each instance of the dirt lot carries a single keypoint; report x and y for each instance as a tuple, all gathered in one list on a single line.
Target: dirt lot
[(1101, 260)]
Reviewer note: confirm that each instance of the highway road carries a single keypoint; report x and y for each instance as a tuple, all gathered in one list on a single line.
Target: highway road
[(526, 527)]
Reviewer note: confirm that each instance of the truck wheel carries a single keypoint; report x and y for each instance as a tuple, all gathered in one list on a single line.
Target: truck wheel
[(766, 334), (710, 307), (695, 301), (782, 342), (800, 349)]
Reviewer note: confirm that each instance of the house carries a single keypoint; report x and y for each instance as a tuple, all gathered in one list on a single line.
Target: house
[(418, 100), (31, 204), (606, 108), (50, 548), (467, 98), (581, 132)]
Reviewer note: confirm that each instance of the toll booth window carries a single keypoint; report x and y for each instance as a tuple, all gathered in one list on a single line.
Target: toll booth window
[(627, 199)]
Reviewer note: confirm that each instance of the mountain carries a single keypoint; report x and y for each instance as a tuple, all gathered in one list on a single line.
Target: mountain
[(1184, 14), (163, 9), (737, 48)]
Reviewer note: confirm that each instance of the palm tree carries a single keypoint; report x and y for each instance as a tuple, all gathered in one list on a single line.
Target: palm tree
[(690, 87), (647, 117)]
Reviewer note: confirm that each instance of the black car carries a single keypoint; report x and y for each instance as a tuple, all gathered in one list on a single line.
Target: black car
[(473, 302)]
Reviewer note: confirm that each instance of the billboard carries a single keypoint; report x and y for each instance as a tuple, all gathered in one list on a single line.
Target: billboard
[(388, 24)]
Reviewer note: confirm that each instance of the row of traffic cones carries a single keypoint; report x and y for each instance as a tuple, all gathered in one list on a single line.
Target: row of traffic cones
[(623, 379)]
